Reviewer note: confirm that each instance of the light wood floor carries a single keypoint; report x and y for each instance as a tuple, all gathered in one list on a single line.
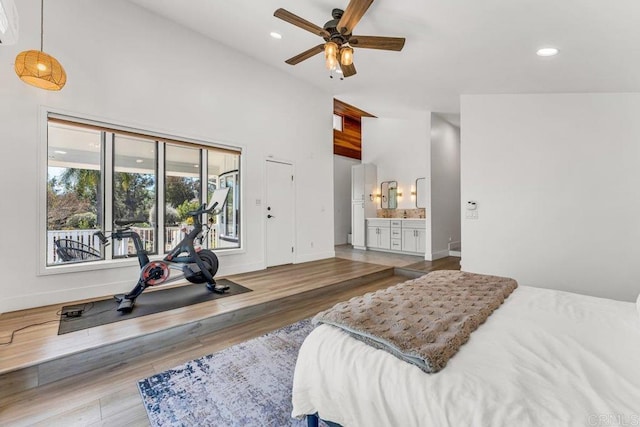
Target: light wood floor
[(41, 343), (403, 261), (376, 257), (109, 396)]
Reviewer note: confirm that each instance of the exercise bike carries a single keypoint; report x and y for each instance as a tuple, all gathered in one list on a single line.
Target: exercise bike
[(196, 265)]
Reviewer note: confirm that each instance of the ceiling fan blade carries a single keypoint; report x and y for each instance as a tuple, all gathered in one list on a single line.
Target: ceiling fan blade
[(352, 14), (289, 17), (375, 42), (348, 70), (305, 55)]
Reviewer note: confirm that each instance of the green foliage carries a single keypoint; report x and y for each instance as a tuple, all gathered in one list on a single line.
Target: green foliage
[(185, 207), (74, 192), (181, 189), (85, 183), (133, 195), (60, 207), (171, 215), (82, 221)]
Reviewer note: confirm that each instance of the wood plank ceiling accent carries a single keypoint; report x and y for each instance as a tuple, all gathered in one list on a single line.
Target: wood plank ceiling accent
[(348, 143)]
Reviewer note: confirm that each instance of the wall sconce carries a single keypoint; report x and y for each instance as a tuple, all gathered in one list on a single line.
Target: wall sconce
[(373, 197), (399, 193), (413, 193)]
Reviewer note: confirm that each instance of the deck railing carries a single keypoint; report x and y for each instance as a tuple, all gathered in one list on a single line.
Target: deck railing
[(172, 235)]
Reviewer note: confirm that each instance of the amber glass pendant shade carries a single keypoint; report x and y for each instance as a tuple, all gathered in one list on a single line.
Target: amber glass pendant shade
[(346, 55), (36, 68), (41, 70)]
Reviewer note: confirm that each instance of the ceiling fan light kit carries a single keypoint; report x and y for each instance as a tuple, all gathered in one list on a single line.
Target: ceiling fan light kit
[(330, 55), (338, 37), (346, 55), (39, 69)]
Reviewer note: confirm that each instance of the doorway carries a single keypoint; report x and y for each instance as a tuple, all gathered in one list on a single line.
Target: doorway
[(279, 213)]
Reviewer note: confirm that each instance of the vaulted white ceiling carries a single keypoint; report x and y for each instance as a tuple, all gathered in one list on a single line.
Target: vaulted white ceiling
[(453, 46)]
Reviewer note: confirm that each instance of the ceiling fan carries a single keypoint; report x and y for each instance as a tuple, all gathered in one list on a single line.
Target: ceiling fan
[(339, 40)]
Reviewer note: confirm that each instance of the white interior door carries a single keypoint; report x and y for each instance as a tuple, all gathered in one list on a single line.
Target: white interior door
[(279, 213)]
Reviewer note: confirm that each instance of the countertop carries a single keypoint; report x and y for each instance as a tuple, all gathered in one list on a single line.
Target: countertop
[(402, 219)]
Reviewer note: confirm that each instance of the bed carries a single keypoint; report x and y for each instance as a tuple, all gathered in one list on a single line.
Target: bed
[(544, 358)]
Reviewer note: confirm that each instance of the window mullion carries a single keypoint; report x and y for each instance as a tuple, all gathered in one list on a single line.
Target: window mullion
[(160, 205), (204, 180), (107, 138)]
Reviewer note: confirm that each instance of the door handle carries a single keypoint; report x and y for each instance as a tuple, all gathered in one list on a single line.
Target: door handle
[(270, 216)]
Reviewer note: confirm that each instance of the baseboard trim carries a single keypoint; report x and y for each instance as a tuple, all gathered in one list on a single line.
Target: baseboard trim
[(439, 254)]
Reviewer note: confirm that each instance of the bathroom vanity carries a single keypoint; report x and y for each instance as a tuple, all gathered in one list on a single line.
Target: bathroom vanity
[(405, 235)]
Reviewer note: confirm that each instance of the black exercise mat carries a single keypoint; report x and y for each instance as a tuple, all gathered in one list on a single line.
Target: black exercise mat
[(105, 311)]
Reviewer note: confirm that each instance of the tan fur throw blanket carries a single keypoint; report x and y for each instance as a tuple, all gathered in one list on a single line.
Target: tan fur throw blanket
[(422, 321)]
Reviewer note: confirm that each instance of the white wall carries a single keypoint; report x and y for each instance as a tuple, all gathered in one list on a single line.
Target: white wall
[(556, 178), (130, 67), (400, 148), (342, 197), (445, 185)]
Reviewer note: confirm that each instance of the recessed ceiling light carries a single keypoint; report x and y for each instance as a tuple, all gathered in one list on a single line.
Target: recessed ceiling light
[(275, 35), (60, 152), (547, 51), (139, 160)]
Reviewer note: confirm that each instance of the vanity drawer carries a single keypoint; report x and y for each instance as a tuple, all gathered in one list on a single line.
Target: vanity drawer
[(396, 233), (396, 244), (396, 223), (378, 222), (413, 223)]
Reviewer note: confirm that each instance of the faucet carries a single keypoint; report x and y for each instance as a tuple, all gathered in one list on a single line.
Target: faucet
[(405, 214)]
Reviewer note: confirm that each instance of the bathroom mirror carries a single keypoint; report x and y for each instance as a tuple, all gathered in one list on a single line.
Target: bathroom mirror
[(389, 195), (421, 193)]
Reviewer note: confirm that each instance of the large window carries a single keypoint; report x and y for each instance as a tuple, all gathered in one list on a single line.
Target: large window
[(182, 190), (224, 171), (74, 192), (134, 190), (97, 175)]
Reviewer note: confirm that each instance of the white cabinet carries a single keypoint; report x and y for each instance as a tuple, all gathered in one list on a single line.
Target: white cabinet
[(414, 236), (363, 183), (414, 240), (364, 178), (401, 235), (358, 232), (378, 234)]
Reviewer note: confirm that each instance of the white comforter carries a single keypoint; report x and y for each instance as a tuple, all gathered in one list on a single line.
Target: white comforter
[(544, 358)]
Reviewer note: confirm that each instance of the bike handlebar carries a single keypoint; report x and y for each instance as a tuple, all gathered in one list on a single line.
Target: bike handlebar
[(203, 210)]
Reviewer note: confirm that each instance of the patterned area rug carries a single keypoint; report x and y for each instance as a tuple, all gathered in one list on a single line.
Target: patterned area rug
[(248, 384)]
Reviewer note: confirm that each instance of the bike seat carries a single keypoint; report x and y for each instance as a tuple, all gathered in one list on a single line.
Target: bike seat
[(125, 222)]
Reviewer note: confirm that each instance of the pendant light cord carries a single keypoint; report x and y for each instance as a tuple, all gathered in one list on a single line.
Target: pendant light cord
[(41, 25)]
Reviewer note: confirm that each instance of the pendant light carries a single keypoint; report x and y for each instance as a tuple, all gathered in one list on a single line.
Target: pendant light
[(39, 69)]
